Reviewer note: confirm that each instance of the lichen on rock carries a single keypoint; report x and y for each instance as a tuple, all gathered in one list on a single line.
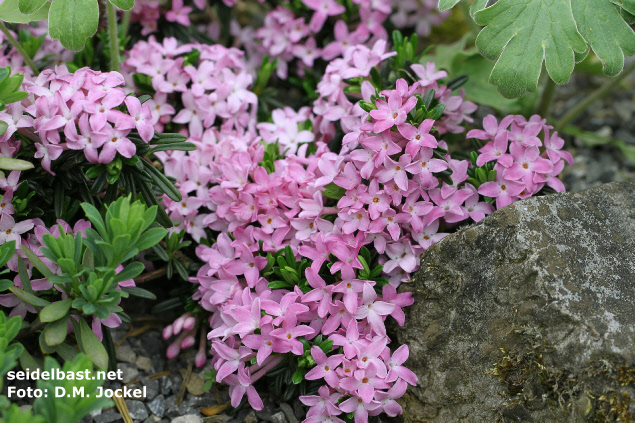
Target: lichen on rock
[(529, 315)]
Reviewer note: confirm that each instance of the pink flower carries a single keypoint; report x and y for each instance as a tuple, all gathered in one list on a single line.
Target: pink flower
[(390, 113), (323, 9), (325, 367), (491, 128), (505, 191), (290, 331), (324, 404), (397, 171), (373, 311), (418, 137), (231, 359), (495, 150), (241, 384)]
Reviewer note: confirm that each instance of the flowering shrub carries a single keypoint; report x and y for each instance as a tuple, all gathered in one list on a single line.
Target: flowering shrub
[(294, 219)]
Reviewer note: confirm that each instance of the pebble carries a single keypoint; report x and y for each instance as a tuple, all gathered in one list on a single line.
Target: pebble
[(277, 418), (126, 354), (250, 417), (288, 413), (152, 388), (152, 343), (107, 418), (144, 363), (128, 373), (166, 385), (174, 410), (157, 406), (137, 409), (190, 418)]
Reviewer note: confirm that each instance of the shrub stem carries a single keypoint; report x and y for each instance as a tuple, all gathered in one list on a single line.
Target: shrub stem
[(113, 38), (546, 97), (19, 48), (607, 87)]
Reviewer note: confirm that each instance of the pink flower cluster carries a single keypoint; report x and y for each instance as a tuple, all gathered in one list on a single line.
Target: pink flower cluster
[(393, 197), (148, 12), (85, 107), (213, 93), (521, 169), (334, 105)]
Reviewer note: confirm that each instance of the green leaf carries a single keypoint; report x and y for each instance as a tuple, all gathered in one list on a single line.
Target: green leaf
[(7, 250), (7, 163), (3, 127), (56, 310), (72, 21), (91, 345), (602, 26), (523, 33), (35, 260), (95, 218), (27, 361), (55, 333), (122, 4), (10, 12), (30, 6), (67, 352), (150, 238), (139, 292), (29, 298)]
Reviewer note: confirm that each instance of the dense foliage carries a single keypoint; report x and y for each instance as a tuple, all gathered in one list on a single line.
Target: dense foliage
[(288, 177)]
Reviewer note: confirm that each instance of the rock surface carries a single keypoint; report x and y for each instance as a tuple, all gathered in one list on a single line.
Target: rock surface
[(529, 315)]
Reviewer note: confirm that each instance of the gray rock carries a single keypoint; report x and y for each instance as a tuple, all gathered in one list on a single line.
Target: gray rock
[(151, 343), (152, 388), (158, 363), (128, 372), (166, 385), (174, 410), (107, 418), (206, 400), (190, 418), (277, 418), (267, 409), (144, 363), (288, 413), (157, 406), (298, 409), (528, 315), (125, 353), (137, 409)]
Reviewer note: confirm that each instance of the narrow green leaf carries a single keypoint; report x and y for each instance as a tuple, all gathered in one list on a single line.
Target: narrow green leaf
[(7, 250), (35, 260), (7, 163), (92, 346), (29, 298), (139, 292), (27, 362), (55, 332), (67, 352), (56, 310), (150, 238)]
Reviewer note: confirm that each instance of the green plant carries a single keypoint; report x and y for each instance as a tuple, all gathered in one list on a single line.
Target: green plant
[(72, 21), (89, 277), (521, 35)]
